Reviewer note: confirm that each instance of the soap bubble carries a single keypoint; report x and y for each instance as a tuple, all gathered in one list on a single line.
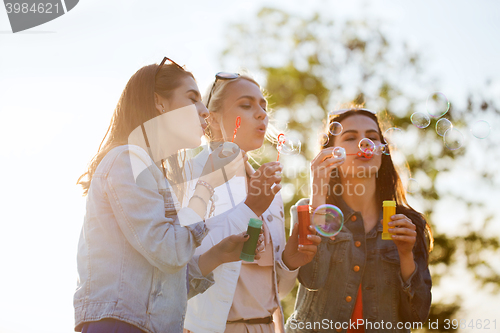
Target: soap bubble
[(480, 129), (442, 126), (453, 139), (328, 220), (420, 119), (289, 146), (437, 104), (339, 152), (382, 148), (412, 186), (335, 128), (367, 146), (323, 139), (394, 137)]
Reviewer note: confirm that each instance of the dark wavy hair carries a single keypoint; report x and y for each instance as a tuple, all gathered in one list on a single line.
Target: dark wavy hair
[(388, 183)]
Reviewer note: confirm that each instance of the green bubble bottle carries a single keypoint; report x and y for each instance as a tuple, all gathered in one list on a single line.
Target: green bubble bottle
[(253, 230)]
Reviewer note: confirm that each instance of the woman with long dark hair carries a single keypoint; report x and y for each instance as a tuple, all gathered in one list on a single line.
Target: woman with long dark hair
[(357, 281), (137, 242)]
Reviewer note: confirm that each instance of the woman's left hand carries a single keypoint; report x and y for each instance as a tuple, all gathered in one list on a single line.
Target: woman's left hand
[(403, 233), (295, 255), (229, 249)]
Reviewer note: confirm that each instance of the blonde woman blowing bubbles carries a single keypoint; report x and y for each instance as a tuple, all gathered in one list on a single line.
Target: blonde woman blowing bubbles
[(245, 296)]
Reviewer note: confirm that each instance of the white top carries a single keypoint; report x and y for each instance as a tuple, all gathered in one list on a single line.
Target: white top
[(208, 312)]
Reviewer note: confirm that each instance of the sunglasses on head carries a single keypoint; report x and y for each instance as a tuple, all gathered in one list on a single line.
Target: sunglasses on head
[(163, 62), (221, 76), (342, 111)]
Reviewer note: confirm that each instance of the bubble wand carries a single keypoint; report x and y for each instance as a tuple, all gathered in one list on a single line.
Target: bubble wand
[(366, 147), (367, 154), (281, 141), (238, 124), (227, 149)]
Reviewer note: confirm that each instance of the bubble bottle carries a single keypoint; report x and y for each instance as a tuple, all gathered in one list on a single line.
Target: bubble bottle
[(253, 230), (304, 223), (389, 207)]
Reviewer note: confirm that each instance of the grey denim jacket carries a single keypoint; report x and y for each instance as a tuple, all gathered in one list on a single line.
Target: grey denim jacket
[(329, 283), (133, 252)]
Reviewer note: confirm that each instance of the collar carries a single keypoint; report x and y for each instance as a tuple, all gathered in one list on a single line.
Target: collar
[(351, 216)]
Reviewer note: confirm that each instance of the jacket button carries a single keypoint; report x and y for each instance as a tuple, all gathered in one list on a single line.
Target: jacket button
[(357, 243), (269, 218), (348, 299), (339, 330), (354, 218), (281, 213), (277, 248), (356, 268)]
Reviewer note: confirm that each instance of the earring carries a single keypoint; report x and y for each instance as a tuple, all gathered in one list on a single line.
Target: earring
[(162, 111)]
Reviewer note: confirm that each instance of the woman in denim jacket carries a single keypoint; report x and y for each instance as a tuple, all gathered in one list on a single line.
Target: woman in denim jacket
[(358, 282), (136, 243)]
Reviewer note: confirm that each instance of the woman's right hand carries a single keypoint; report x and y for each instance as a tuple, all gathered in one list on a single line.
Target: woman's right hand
[(321, 169), (260, 187)]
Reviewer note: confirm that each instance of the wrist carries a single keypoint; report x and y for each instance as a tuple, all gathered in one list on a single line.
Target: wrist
[(258, 211), (405, 255), (318, 200), (217, 254), (319, 187), (201, 184), (284, 258), (201, 192), (209, 260)]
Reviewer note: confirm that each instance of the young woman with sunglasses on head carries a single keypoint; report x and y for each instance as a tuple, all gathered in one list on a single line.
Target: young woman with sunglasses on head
[(356, 275), (245, 296), (133, 251)]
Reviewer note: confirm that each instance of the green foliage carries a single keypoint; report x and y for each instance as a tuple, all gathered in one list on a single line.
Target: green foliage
[(315, 64)]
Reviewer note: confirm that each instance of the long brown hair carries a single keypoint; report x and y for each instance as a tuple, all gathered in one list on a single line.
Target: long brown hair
[(135, 107), (388, 183)]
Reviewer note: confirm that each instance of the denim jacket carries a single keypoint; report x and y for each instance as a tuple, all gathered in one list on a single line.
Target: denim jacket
[(329, 283), (133, 252)]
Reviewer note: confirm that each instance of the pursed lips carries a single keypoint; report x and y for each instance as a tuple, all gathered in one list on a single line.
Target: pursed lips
[(262, 128)]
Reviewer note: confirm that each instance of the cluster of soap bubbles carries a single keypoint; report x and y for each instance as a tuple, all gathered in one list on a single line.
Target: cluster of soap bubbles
[(437, 105)]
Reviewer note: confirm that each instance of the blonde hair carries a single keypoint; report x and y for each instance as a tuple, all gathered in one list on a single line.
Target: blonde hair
[(217, 100)]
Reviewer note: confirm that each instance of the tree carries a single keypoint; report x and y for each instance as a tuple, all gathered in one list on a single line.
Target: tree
[(314, 64)]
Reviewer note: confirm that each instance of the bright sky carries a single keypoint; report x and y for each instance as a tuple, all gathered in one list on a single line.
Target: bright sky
[(60, 82)]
